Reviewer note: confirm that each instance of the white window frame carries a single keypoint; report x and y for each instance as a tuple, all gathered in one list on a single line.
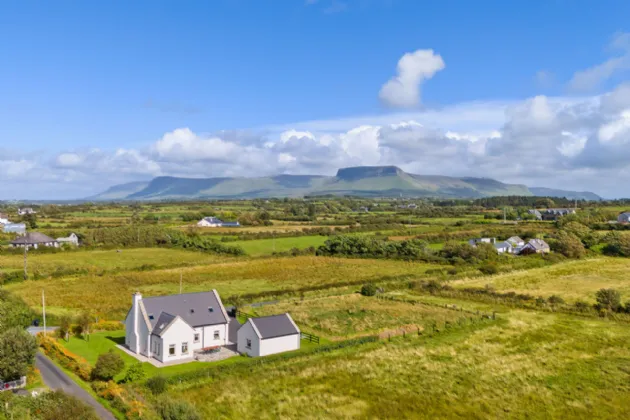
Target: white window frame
[(217, 334), (196, 338), (185, 344), (248, 343), (171, 347)]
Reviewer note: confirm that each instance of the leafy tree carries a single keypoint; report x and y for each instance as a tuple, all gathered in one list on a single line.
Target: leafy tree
[(83, 322), (568, 245), (489, 269), (134, 373), (577, 229), (545, 203), (368, 289), (157, 385), (17, 353), (13, 312), (107, 366), (65, 323), (609, 299)]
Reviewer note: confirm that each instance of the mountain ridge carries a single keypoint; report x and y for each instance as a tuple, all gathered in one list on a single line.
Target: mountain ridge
[(367, 181)]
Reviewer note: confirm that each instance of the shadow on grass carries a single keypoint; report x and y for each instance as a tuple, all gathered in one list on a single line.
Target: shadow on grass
[(117, 340)]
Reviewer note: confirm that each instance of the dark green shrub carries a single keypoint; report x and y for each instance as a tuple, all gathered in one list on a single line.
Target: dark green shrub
[(170, 409), (555, 300), (608, 299), (368, 289), (134, 373), (107, 366), (489, 269), (157, 385)]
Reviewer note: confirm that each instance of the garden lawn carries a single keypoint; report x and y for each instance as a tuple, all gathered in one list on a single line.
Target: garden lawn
[(572, 280), (109, 296), (526, 365), (343, 317)]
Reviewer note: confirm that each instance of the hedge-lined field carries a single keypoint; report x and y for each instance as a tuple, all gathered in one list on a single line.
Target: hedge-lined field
[(109, 296), (527, 365), (343, 317), (572, 280)]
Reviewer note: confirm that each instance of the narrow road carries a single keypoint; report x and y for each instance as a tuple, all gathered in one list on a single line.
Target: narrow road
[(55, 378)]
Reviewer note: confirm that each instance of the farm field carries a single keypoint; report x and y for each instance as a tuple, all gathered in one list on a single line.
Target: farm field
[(572, 280), (109, 296), (258, 247), (526, 365), (110, 260), (343, 317)]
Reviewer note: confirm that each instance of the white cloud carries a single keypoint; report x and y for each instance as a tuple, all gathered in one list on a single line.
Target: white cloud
[(593, 77), (403, 90)]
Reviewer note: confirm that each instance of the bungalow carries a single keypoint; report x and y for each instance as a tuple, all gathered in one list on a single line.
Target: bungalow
[(26, 210), (624, 217), (503, 247), (535, 246), (537, 215), (34, 240), (268, 335), (19, 228), (476, 241), (555, 214), (216, 222), (515, 241), (73, 240), (170, 328)]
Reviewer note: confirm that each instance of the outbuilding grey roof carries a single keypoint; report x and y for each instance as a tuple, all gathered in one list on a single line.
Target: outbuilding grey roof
[(33, 238), (275, 326), (538, 244), (196, 309), (500, 245), (162, 323)]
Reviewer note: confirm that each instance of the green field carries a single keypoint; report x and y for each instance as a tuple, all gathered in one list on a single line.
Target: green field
[(343, 317), (109, 296), (260, 247), (572, 280), (527, 365)]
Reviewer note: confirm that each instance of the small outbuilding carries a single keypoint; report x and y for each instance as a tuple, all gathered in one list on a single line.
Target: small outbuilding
[(268, 335)]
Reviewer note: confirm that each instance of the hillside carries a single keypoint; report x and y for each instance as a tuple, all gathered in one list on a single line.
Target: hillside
[(366, 181), (571, 195)]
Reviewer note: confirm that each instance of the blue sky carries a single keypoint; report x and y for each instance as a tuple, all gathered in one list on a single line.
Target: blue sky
[(93, 78)]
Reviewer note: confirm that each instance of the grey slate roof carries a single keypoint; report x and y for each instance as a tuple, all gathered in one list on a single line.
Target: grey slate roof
[(274, 326), (191, 307), (538, 244), (161, 323), (505, 244), (33, 238)]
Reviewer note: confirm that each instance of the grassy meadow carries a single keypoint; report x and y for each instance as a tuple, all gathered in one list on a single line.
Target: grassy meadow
[(525, 365), (259, 247), (572, 280), (349, 316), (109, 296)]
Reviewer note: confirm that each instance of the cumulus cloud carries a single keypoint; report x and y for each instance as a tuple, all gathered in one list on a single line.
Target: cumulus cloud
[(593, 77), (403, 90)]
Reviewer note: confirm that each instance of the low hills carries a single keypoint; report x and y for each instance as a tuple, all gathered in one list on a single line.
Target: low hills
[(365, 181)]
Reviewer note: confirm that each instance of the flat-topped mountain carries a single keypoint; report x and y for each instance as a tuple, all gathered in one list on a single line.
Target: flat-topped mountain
[(366, 181)]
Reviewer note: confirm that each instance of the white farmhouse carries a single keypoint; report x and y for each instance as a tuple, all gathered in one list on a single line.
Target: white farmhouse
[(73, 239), (170, 328), (210, 222), (26, 210), (624, 217), (34, 240), (268, 335)]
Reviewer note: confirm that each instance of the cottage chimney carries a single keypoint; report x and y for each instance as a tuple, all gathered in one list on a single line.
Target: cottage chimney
[(135, 308)]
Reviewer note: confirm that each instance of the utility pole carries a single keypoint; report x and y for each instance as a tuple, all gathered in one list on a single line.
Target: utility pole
[(504, 216), (44, 310), (25, 262)]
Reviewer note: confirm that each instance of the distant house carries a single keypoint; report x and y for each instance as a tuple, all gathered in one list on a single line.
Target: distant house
[(624, 217), (170, 328), (26, 210), (34, 240), (535, 213), (268, 335), (515, 241), (364, 210), (535, 246), (73, 239), (412, 206), (476, 241), (555, 214), (4, 219), (504, 247), (216, 222), (19, 228)]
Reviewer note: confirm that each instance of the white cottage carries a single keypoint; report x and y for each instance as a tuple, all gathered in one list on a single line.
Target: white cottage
[(170, 328), (268, 335), (73, 240)]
